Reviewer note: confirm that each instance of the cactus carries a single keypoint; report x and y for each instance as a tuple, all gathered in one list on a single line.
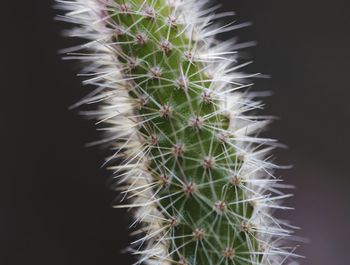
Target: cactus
[(183, 130)]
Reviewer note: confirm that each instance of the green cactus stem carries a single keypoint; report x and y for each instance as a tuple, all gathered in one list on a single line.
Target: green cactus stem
[(184, 132)]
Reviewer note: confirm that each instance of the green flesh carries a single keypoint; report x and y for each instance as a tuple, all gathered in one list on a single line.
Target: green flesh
[(221, 230)]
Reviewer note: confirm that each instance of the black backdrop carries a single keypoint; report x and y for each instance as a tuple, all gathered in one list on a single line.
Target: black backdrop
[(55, 204)]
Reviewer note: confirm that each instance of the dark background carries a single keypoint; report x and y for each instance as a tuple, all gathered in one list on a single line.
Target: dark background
[(55, 205)]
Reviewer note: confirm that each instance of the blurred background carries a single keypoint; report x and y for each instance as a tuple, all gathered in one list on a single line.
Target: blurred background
[(55, 205)]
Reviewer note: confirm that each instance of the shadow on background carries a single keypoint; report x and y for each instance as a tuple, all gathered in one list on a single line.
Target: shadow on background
[(55, 205)]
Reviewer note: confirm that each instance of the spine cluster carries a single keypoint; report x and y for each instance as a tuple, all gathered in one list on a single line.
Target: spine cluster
[(184, 132)]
